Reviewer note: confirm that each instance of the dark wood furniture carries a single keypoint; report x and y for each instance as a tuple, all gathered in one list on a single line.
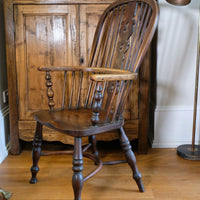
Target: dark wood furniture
[(32, 40), (122, 37)]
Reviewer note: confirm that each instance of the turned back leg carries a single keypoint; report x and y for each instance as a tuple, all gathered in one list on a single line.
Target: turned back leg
[(77, 178), (125, 144), (93, 141), (36, 152)]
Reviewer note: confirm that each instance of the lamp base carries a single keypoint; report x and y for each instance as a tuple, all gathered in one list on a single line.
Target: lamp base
[(185, 151), (179, 2)]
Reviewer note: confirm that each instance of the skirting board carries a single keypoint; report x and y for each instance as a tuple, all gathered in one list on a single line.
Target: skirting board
[(3, 147), (173, 126), (3, 153)]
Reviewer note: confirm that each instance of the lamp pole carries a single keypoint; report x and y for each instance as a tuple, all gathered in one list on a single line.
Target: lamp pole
[(187, 151), (191, 151)]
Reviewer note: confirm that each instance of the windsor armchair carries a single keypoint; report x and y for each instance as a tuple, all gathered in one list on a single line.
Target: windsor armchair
[(94, 97)]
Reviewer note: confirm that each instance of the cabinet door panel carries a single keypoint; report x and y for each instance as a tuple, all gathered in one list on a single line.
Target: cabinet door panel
[(89, 17), (45, 35)]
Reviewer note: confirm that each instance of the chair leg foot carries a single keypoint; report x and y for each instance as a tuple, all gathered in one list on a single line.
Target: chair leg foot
[(77, 178), (138, 179), (125, 144), (34, 171), (36, 152)]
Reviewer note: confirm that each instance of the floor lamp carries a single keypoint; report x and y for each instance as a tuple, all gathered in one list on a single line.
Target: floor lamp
[(191, 151)]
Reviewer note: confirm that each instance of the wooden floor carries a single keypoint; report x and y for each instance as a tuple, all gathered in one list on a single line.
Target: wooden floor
[(165, 176)]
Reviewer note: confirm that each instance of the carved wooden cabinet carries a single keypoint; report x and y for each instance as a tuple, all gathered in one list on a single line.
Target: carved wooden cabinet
[(58, 33)]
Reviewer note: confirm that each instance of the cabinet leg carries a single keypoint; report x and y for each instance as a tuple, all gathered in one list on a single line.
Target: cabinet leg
[(77, 178), (126, 147), (36, 152)]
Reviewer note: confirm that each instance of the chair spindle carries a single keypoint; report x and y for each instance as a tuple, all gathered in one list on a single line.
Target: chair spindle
[(72, 89), (64, 90), (97, 104), (50, 93), (79, 90)]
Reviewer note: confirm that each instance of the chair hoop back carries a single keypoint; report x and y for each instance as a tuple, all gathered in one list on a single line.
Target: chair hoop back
[(123, 34)]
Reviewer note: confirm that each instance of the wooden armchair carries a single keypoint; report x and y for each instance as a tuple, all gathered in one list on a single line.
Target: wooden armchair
[(94, 97)]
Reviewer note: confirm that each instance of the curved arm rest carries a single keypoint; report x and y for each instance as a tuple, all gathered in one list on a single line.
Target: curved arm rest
[(113, 77), (60, 68), (86, 69)]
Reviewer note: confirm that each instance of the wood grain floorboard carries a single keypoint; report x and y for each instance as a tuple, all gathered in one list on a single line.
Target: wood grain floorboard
[(165, 176)]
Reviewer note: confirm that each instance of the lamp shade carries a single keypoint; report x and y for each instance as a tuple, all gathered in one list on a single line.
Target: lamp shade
[(179, 2)]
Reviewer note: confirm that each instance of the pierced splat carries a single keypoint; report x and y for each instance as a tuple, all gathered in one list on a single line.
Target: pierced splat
[(111, 87), (126, 31)]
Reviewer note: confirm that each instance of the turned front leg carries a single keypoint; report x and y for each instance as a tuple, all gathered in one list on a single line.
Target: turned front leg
[(77, 178), (125, 144), (36, 152)]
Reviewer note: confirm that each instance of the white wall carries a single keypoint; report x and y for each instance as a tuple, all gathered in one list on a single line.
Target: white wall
[(176, 66)]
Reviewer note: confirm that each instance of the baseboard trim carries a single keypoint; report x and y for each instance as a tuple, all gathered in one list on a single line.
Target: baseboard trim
[(3, 154), (174, 108), (4, 111), (170, 144), (173, 126), (8, 147)]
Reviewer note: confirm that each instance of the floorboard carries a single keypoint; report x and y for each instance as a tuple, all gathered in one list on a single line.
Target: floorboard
[(165, 176)]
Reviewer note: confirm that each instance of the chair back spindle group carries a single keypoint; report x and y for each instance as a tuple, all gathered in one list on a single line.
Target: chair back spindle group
[(120, 41)]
